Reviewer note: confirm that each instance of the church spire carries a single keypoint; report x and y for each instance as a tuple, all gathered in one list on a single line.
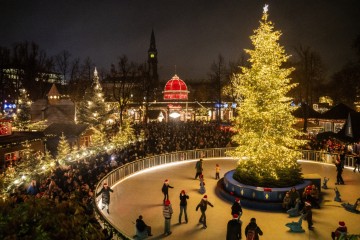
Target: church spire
[(152, 42), (152, 61)]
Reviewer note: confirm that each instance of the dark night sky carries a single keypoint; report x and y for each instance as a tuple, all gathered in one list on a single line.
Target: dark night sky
[(189, 34)]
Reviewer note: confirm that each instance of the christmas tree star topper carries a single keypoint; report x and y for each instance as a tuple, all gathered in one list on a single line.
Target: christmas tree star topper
[(266, 8)]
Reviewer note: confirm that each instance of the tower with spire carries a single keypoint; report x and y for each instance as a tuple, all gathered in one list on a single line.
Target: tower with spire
[(152, 61)]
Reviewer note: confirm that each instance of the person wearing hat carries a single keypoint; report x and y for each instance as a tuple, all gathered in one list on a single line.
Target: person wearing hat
[(199, 168), (236, 208), (307, 215), (252, 230), (340, 231), (165, 190), (167, 213), (203, 206), (183, 205), (105, 196), (233, 228)]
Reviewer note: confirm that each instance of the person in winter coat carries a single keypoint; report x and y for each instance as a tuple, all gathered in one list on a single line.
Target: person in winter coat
[(339, 170), (217, 171), (167, 213), (202, 189), (203, 206), (294, 195), (341, 230), (105, 195), (236, 208), (307, 215), (199, 168), (252, 230), (165, 189), (183, 205), (142, 227), (286, 201), (233, 229)]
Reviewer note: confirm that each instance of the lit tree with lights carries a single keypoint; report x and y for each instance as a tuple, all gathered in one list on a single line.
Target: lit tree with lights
[(267, 141), (63, 148), (92, 109), (98, 136), (23, 109), (125, 135)]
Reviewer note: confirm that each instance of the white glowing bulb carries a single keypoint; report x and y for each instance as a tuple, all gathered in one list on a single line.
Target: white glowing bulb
[(266, 8)]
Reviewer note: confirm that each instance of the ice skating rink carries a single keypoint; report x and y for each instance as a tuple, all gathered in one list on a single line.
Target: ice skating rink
[(140, 194)]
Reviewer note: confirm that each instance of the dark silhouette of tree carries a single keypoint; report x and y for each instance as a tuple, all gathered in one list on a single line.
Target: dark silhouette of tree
[(62, 64), (80, 78), (6, 88), (309, 73), (344, 86), (218, 76), (31, 63), (125, 76)]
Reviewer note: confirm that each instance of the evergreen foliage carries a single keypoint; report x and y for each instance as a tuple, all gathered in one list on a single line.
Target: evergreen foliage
[(267, 141), (92, 109), (98, 136), (125, 134), (63, 148)]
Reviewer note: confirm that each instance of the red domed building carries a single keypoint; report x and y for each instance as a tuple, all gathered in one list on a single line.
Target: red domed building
[(176, 96), (175, 89)]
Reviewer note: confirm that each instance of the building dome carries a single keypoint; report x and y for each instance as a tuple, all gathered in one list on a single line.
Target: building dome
[(175, 89)]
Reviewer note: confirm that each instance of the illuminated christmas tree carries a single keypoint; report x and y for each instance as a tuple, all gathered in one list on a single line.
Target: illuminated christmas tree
[(63, 148), (98, 136), (267, 141), (92, 109), (125, 135)]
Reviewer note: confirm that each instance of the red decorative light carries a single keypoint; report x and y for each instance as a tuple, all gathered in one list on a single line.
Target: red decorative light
[(5, 127), (175, 89)]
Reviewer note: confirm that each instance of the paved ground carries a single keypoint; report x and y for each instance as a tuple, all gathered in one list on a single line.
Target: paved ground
[(141, 194)]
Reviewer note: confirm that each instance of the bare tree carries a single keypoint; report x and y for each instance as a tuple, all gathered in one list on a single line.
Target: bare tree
[(6, 83), (309, 73), (62, 61), (124, 77), (218, 75)]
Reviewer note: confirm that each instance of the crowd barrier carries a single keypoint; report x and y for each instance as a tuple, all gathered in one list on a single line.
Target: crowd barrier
[(130, 168)]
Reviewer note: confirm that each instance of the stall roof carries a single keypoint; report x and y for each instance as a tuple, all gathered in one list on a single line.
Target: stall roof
[(301, 111), (340, 111)]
